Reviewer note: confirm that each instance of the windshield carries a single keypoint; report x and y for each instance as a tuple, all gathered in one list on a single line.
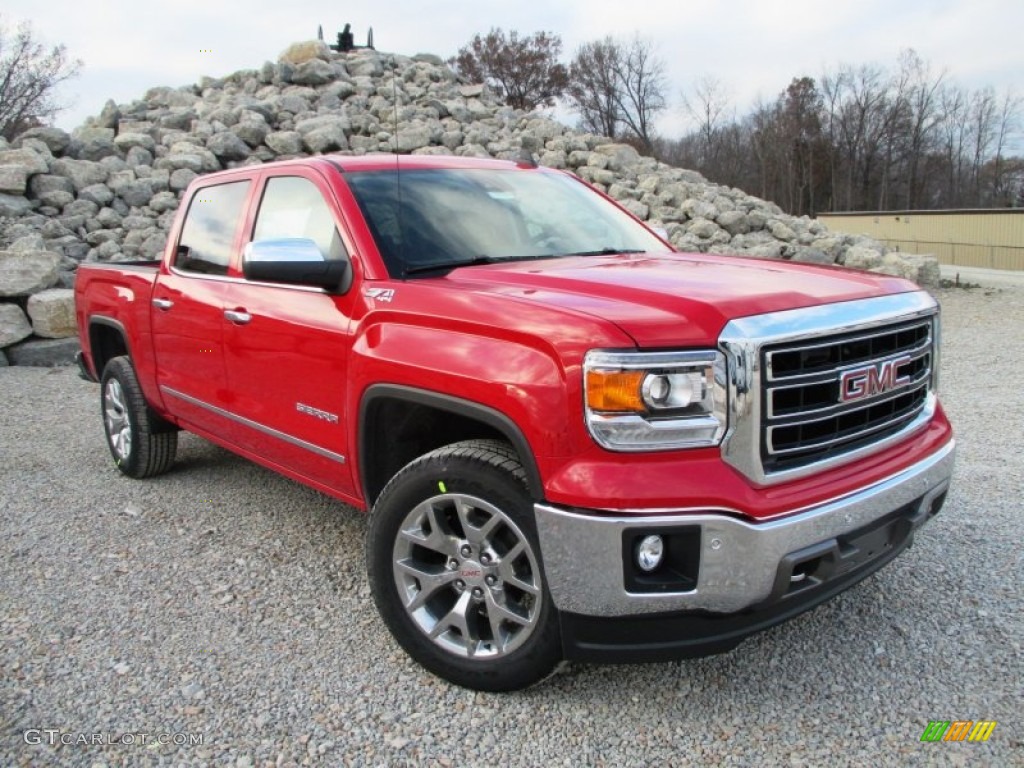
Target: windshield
[(454, 217)]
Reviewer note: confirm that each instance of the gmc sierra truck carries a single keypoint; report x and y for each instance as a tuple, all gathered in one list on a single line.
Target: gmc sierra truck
[(573, 442)]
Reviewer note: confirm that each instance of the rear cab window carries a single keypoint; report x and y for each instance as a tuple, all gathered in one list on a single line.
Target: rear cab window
[(211, 223)]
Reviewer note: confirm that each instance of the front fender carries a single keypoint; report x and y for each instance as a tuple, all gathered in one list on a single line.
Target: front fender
[(523, 383)]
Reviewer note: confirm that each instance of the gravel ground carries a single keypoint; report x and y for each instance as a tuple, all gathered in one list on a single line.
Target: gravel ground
[(224, 602)]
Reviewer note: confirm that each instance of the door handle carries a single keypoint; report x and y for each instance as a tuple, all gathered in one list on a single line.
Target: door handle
[(237, 316), (163, 304)]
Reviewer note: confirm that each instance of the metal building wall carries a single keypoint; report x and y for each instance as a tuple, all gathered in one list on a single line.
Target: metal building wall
[(977, 238)]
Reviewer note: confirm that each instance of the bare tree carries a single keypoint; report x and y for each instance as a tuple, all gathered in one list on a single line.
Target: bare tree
[(984, 114), (642, 77), (1000, 170), (618, 89), (924, 98), (594, 86), (524, 70), (859, 107), (955, 130), (29, 76), (868, 138), (707, 105)]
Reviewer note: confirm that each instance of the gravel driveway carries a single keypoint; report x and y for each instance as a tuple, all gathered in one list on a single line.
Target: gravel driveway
[(226, 604)]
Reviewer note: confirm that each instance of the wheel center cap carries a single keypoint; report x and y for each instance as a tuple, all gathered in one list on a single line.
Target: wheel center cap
[(471, 572)]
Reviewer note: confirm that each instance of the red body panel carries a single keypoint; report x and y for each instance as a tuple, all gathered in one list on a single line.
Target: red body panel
[(509, 337)]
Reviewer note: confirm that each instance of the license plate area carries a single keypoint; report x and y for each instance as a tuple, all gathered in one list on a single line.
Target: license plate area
[(816, 565)]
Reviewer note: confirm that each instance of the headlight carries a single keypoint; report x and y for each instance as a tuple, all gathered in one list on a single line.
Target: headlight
[(644, 401)]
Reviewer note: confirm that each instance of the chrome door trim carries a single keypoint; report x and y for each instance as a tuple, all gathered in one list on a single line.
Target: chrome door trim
[(255, 425)]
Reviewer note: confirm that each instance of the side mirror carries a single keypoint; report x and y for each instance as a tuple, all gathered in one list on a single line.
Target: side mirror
[(293, 260)]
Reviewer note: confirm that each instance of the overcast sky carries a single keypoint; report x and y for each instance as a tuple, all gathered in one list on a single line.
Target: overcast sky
[(754, 47)]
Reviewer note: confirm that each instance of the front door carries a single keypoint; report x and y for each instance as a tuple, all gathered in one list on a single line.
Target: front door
[(286, 347)]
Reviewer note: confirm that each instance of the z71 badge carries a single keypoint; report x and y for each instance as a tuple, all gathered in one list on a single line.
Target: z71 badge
[(380, 294)]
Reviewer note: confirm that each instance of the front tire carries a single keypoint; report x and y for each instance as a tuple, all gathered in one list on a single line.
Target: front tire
[(455, 569), (141, 443)]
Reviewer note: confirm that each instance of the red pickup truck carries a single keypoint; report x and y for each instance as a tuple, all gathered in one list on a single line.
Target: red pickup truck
[(573, 442)]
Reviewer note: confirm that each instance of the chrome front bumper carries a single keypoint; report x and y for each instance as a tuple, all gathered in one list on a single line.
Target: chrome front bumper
[(739, 561)]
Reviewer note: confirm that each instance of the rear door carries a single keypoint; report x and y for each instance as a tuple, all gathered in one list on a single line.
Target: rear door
[(188, 305), (286, 347)]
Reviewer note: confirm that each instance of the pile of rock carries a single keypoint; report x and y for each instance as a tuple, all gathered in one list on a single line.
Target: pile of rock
[(109, 190)]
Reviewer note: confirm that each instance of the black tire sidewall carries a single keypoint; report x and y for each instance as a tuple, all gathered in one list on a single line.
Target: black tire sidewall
[(529, 663), (120, 370)]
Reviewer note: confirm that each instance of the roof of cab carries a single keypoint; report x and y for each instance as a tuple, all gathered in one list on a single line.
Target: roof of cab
[(385, 162), (353, 163)]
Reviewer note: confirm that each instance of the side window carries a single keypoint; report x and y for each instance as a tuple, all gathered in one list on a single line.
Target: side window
[(293, 207), (210, 226)]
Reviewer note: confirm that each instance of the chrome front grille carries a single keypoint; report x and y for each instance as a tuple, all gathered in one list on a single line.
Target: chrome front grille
[(822, 386), (828, 396)]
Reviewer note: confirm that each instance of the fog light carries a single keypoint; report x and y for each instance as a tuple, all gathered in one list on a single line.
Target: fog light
[(649, 553)]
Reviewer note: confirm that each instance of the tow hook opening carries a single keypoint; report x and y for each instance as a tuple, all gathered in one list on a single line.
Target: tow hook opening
[(936, 505), (810, 570), (805, 570)]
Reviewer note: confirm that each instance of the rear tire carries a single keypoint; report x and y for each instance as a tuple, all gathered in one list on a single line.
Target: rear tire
[(455, 569), (141, 442)]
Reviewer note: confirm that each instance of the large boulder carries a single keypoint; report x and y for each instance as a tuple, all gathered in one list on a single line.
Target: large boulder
[(313, 72), (14, 326), (13, 179), (326, 139), (253, 130), (285, 142), (862, 257), (125, 141), (365, 64), (413, 137), (99, 194), (26, 272), (31, 161), (82, 173), (46, 353), (55, 191), (136, 193), (12, 206), (620, 156), (53, 313), (56, 139), (93, 143), (323, 121), (734, 222), (181, 178), (300, 53), (227, 146), (923, 270)]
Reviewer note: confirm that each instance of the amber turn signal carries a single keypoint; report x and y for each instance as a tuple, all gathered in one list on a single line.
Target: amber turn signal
[(614, 391)]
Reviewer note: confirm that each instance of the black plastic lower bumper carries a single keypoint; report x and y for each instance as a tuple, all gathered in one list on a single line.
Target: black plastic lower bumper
[(667, 636)]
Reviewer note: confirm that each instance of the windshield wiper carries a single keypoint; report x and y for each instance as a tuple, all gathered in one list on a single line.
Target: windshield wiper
[(605, 252), (440, 265), (475, 261)]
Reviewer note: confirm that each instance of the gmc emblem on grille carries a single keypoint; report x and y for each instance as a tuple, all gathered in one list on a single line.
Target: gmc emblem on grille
[(872, 380)]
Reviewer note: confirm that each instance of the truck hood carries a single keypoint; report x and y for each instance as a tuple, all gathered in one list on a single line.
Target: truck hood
[(674, 299)]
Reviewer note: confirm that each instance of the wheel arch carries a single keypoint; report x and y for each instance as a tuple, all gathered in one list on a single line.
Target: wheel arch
[(107, 339), (398, 423)]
